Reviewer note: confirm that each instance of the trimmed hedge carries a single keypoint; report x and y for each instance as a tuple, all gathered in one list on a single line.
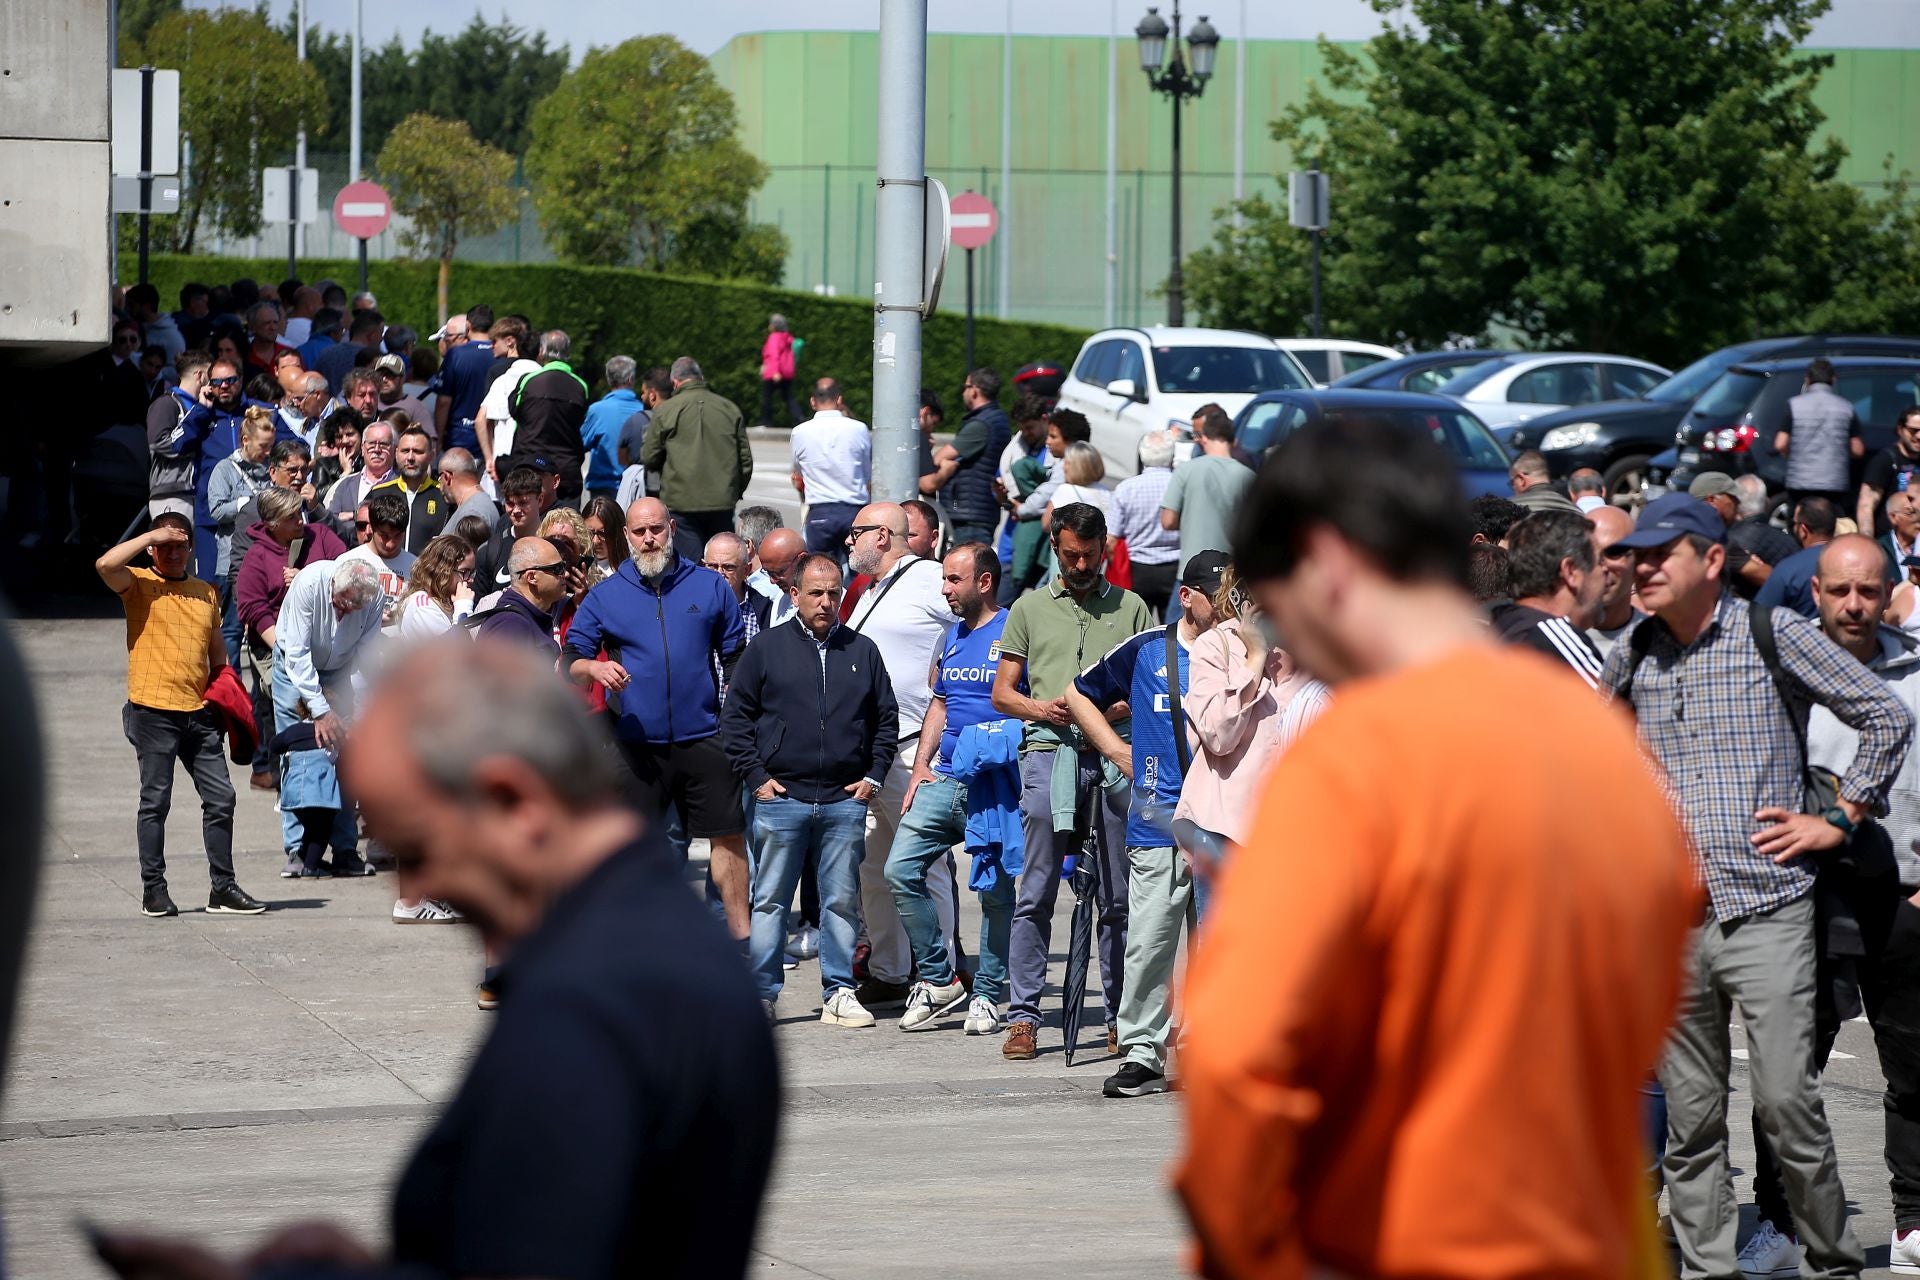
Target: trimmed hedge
[(610, 311)]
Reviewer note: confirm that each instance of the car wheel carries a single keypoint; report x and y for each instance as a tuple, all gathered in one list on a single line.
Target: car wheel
[(1624, 481)]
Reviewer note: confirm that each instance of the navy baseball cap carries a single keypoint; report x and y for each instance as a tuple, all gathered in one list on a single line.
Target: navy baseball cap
[(1674, 516)]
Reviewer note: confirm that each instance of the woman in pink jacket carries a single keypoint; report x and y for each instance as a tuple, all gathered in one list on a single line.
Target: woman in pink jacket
[(776, 372), (1246, 702)]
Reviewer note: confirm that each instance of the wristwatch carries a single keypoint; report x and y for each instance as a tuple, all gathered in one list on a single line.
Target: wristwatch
[(1838, 817)]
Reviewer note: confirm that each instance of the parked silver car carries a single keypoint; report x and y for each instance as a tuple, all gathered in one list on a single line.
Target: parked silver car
[(1508, 391)]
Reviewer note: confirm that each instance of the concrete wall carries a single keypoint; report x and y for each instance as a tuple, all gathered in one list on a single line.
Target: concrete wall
[(54, 177)]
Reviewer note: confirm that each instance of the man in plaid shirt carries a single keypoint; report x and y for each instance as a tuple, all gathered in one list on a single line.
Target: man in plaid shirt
[(1710, 713)]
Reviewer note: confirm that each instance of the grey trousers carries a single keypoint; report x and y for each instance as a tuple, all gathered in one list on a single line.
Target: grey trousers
[(1039, 889), (1763, 966)]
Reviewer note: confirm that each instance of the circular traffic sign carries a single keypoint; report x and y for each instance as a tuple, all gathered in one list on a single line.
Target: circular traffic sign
[(362, 209), (973, 220)]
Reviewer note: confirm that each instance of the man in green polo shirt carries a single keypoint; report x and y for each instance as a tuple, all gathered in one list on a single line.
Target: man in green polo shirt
[(1052, 635)]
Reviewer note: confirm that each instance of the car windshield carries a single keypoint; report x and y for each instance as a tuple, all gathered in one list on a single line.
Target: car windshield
[(1461, 434), (1731, 395), (1223, 370), (1687, 385)]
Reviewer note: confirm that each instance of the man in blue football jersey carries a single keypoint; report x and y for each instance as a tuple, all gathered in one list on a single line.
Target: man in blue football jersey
[(938, 809), (1140, 672)]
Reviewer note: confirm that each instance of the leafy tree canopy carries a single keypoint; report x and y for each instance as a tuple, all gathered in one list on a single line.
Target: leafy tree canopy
[(448, 184)]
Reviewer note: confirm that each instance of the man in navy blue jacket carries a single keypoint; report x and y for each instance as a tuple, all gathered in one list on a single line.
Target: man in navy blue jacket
[(666, 619), (813, 751)]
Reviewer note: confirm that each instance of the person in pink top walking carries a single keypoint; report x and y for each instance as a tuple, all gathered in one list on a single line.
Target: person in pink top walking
[(1246, 702), (776, 372)]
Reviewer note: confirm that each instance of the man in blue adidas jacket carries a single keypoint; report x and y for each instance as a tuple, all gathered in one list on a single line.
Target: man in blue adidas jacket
[(661, 621)]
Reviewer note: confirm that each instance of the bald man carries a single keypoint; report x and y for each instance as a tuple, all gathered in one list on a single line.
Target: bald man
[(537, 579), (905, 613), (727, 555), (667, 621), (1617, 614), (1875, 883), (778, 552)]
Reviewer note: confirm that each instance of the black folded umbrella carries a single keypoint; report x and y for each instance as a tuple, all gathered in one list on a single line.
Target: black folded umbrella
[(1086, 884)]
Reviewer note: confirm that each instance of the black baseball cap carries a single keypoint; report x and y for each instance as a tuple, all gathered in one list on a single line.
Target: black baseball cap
[(1204, 569), (1674, 516)]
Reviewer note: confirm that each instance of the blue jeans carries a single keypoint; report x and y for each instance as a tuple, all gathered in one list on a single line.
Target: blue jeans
[(345, 836), (928, 831), (827, 526), (786, 830)]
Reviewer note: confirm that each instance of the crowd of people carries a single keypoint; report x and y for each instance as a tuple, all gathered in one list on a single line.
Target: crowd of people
[(1205, 675)]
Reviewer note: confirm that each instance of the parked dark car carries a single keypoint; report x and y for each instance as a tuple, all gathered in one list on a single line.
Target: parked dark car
[(1272, 415), (1421, 371), (1731, 427), (1617, 438)]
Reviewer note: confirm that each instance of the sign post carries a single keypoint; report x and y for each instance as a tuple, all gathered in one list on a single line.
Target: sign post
[(146, 142), (362, 210), (1307, 200), (973, 220), (290, 194)]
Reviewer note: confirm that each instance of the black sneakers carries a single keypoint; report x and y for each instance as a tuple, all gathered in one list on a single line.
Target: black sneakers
[(157, 903), (234, 901), (347, 862), (878, 993), (1134, 1081)]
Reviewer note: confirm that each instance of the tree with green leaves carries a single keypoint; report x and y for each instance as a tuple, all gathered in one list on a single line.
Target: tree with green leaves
[(132, 20), (242, 94), (634, 160), (448, 185), (1625, 175), (489, 75)]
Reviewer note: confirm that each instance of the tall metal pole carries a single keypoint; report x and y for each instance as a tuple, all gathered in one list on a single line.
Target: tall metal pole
[(146, 162), (1176, 302), (969, 311), (1003, 246), (299, 233), (1113, 158), (1316, 281), (1240, 118), (899, 235), (353, 123)]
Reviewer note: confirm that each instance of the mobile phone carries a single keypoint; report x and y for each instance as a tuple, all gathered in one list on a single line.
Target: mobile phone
[(1239, 599), (293, 550)]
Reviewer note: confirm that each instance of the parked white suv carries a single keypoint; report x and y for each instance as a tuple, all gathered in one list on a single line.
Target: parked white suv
[(1132, 381), (1327, 360)]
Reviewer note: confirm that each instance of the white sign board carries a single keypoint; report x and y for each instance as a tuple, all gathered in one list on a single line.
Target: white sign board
[(1307, 199), (164, 197), (937, 235), (274, 194), (126, 123)]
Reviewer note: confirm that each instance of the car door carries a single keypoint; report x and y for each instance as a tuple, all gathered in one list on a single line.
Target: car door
[(1626, 381), (1546, 387)]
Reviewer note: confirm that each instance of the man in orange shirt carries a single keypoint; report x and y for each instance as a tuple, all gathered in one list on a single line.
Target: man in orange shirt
[(1418, 1023), (174, 648)]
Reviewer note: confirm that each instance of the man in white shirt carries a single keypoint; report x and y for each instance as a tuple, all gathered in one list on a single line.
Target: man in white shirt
[(386, 547), (905, 614), (832, 467)]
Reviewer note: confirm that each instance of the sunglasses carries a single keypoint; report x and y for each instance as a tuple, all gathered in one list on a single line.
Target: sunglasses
[(557, 568), (361, 526), (223, 382)]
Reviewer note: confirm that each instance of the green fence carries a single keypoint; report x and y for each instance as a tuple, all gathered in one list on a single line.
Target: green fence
[(609, 311)]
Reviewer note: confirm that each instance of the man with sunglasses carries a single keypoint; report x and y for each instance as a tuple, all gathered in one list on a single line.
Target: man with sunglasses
[(227, 405), (524, 613)]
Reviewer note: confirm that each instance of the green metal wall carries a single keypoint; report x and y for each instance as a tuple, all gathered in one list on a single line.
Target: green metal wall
[(807, 102)]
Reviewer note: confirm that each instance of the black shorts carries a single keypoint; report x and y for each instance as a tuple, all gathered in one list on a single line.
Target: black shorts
[(697, 776)]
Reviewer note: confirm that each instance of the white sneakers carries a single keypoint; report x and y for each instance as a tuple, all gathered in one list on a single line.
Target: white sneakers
[(983, 1019), (841, 1010), (926, 1003), (426, 911), (1768, 1254), (1904, 1257)]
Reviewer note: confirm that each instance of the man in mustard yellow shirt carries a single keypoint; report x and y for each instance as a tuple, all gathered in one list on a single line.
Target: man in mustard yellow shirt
[(174, 649)]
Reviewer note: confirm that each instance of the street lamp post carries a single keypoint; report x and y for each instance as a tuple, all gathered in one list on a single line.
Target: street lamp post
[(1184, 77)]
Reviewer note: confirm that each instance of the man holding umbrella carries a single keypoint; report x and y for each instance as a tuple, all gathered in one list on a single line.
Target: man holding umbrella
[(1148, 672), (1052, 634)]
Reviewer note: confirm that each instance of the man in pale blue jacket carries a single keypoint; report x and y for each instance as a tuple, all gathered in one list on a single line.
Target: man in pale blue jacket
[(601, 430)]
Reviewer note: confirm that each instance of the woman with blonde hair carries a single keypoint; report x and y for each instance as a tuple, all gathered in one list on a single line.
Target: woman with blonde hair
[(1246, 701), (439, 589), (1083, 479)]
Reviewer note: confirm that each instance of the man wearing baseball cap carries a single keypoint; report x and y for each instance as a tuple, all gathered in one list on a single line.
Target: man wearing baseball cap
[(1705, 699), (1746, 572), (391, 371), (1148, 672)]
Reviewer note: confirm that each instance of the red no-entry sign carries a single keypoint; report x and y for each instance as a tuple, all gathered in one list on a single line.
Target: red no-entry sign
[(362, 210), (973, 220)]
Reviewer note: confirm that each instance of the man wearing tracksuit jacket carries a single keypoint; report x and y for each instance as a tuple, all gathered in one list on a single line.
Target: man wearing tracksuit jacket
[(813, 752), (665, 620)]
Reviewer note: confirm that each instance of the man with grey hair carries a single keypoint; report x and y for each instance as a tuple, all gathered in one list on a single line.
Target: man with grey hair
[(600, 432), (1153, 548), (263, 328), (548, 408), (459, 475), (1588, 489), (697, 447), (302, 411), (327, 627)]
